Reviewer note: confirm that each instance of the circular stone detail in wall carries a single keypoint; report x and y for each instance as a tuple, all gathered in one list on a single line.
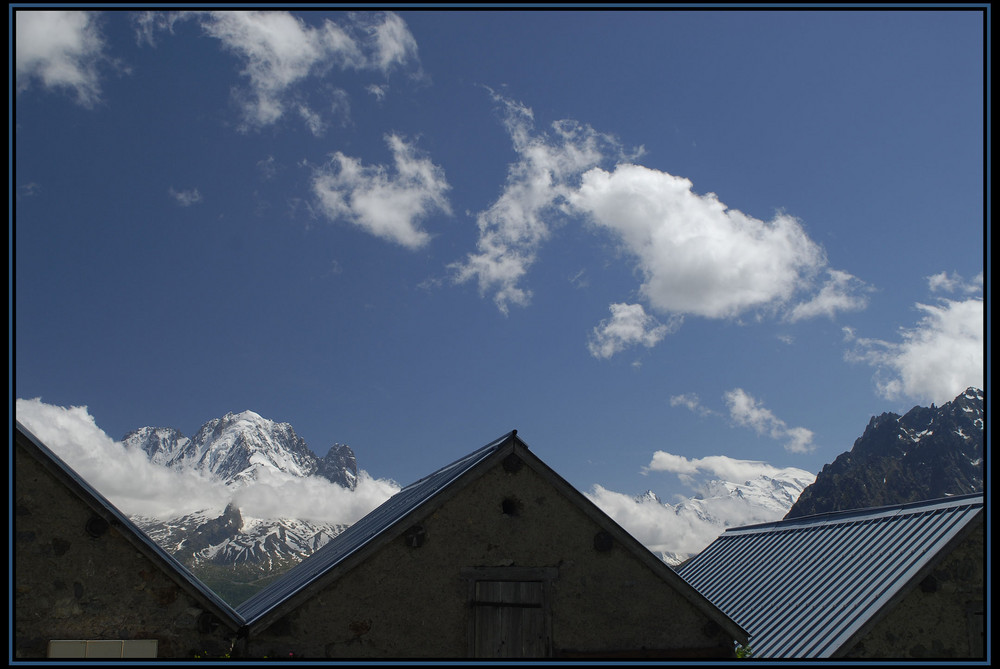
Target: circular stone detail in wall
[(603, 541)]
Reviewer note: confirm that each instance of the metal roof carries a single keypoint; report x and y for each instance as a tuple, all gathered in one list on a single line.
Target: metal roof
[(358, 535), (804, 587), (104, 508)]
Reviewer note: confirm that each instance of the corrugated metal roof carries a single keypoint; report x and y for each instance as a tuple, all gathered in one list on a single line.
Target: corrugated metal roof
[(803, 587), (128, 529), (364, 531)]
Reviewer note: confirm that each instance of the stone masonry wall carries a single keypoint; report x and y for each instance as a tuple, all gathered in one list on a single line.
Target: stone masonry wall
[(69, 584), (939, 618), (413, 602)]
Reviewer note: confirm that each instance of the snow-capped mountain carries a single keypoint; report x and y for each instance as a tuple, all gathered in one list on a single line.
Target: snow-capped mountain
[(723, 504), (233, 554), (927, 453), (234, 447)]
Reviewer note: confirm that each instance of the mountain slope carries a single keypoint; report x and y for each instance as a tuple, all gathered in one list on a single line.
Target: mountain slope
[(234, 447), (233, 554), (925, 454)]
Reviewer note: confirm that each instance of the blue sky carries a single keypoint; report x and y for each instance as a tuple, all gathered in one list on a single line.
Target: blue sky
[(699, 233)]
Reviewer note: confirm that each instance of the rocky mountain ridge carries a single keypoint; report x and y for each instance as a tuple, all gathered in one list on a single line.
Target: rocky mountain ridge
[(927, 453), (234, 447), (233, 554)]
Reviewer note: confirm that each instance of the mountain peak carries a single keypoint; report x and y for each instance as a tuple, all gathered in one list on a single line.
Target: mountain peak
[(928, 452), (235, 447)]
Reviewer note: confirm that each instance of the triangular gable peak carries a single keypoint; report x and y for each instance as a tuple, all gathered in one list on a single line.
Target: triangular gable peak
[(80, 563), (813, 587), (417, 566)]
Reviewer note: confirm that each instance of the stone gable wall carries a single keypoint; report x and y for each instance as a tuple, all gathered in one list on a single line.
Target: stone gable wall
[(938, 619), (69, 584), (413, 602)]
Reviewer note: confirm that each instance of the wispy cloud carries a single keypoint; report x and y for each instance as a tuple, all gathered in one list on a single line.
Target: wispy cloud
[(390, 206), (280, 53), (185, 198), (60, 50), (717, 467), (513, 228), (747, 411), (950, 283), (691, 402), (629, 325), (841, 292), (936, 359), (128, 479)]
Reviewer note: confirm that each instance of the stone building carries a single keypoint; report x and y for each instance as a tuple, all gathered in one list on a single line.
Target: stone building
[(494, 555), (88, 583), (896, 582)]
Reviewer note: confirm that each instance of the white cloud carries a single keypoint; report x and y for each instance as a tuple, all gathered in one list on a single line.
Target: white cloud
[(716, 466), (124, 476), (314, 122), (513, 228), (185, 198), (696, 255), (274, 495), (391, 41), (279, 53), (745, 410), (839, 293), (658, 527), (629, 325), (128, 479), (692, 402), (390, 207), (953, 282), (60, 50), (936, 360), (692, 523)]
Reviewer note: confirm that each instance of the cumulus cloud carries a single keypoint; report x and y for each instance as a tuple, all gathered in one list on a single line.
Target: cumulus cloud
[(60, 50), (280, 52), (513, 228), (185, 198), (130, 481), (387, 206), (935, 360), (696, 255), (629, 325), (745, 410)]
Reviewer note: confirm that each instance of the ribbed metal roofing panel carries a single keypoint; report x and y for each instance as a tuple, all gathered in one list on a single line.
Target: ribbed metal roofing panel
[(803, 587), (362, 532)]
